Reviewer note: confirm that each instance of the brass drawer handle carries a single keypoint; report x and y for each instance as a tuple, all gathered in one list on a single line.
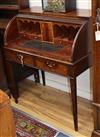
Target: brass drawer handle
[(21, 58), (35, 37), (50, 64)]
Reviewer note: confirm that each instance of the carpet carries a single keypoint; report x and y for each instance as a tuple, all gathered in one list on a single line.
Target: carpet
[(27, 126)]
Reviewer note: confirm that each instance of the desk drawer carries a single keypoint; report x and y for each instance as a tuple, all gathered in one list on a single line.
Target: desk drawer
[(19, 57), (51, 66)]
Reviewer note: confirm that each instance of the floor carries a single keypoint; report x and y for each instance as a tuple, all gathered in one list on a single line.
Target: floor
[(53, 107)]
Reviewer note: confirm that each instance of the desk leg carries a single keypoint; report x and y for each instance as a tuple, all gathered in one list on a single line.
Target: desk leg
[(74, 101), (43, 77), (36, 76), (11, 80)]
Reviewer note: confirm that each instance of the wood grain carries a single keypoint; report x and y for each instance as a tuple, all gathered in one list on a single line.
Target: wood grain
[(7, 125), (53, 107)]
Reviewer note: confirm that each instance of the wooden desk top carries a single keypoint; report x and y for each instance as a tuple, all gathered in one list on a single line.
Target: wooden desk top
[(75, 13), (63, 54)]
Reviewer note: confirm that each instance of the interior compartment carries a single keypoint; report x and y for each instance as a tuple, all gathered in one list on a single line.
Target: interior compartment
[(29, 28), (64, 33)]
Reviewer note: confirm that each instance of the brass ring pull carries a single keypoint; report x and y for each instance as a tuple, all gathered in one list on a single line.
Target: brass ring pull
[(21, 58), (50, 64)]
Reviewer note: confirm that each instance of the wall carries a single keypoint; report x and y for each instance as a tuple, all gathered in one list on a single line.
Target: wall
[(61, 83), (83, 4)]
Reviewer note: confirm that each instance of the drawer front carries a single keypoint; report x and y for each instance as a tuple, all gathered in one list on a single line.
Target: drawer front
[(10, 55), (18, 57), (51, 66)]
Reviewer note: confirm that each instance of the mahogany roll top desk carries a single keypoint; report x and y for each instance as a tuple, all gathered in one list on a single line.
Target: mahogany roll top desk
[(52, 42)]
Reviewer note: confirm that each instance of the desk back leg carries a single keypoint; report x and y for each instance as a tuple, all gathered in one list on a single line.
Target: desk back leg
[(36, 75), (43, 77)]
